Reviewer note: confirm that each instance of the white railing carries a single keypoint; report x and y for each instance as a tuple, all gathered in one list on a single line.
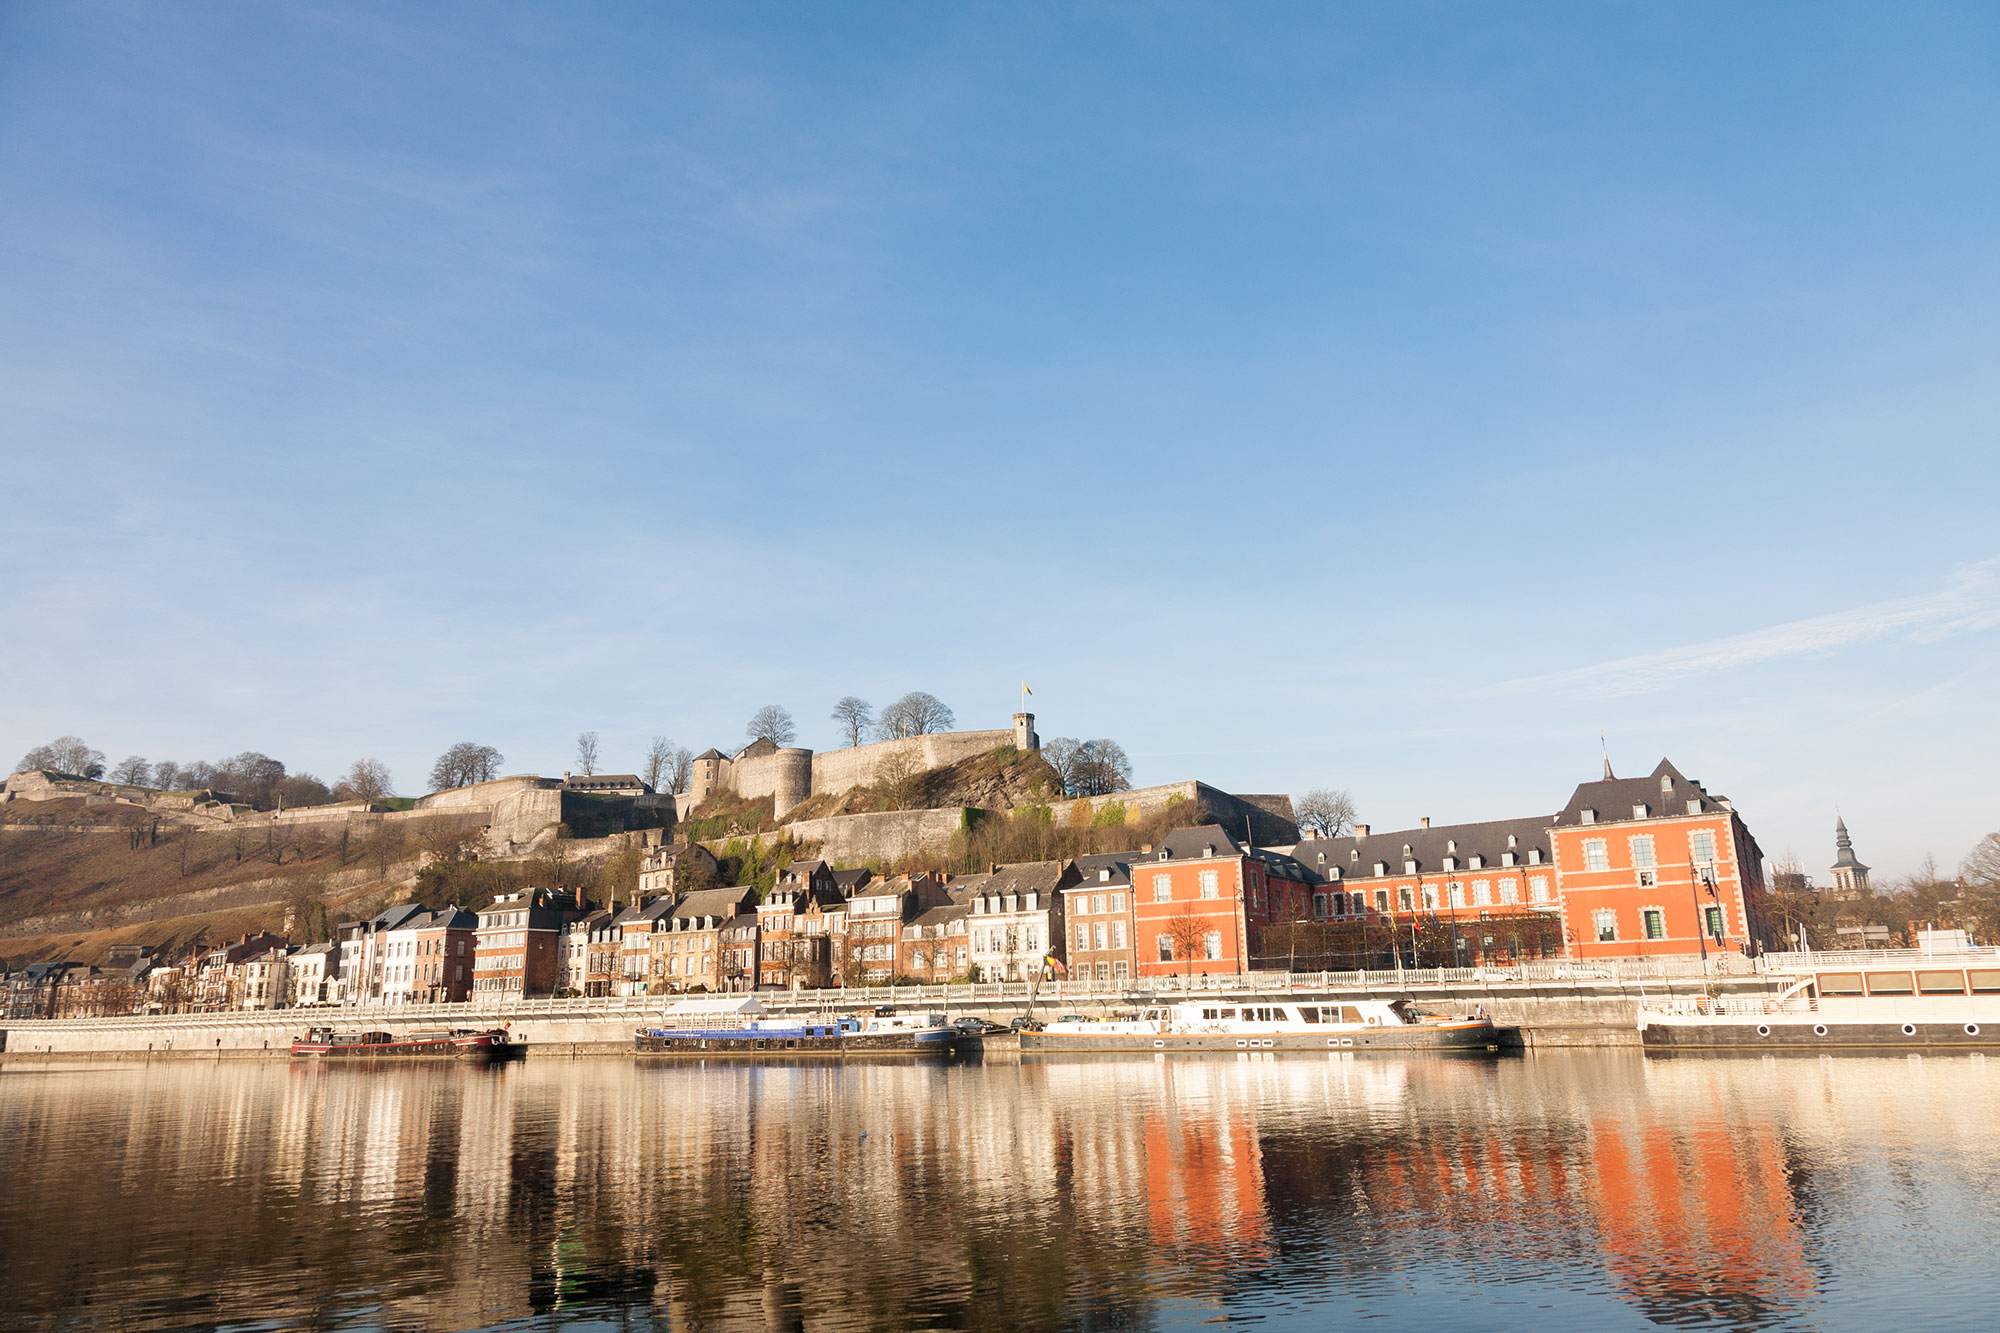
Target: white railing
[(1619, 973), (1734, 1006), (1837, 959)]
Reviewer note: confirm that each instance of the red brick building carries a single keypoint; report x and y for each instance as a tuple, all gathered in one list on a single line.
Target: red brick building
[(518, 946), (1655, 865), (1203, 902)]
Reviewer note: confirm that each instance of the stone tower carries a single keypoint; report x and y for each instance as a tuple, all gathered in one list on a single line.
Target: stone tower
[(1850, 877), (1024, 732)]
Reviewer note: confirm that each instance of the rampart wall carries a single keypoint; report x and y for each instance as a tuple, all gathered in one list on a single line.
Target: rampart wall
[(884, 836), (837, 771)]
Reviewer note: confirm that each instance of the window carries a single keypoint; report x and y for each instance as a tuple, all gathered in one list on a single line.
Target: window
[(1210, 884), (1701, 846), (1082, 935), (1166, 943), (1404, 900), (1714, 916), (1941, 983), (1118, 936), (1482, 892), (1211, 945), (1889, 983), (1655, 923), (1594, 855), (1607, 925), (1538, 888), (1097, 935), (1430, 897), (1319, 906), (1457, 894), (1510, 891), (1163, 889), (1586, 817), (1096, 902), (1117, 902)]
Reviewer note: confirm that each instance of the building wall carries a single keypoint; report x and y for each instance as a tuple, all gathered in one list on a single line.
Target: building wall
[(1093, 908), (837, 771), (1675, 892), (1226, 915)]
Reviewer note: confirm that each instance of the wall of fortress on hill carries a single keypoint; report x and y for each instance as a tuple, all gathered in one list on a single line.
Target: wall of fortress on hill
[(791, 774)]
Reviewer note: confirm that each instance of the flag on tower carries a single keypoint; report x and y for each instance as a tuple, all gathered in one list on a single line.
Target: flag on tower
[(1025, 689)]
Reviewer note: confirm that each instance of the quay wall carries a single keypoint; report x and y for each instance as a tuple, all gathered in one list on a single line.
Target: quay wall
[(1543, 1015)]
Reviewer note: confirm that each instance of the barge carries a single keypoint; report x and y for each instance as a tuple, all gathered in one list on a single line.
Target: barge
[(1210, 1026), (448, 1044), (742, 1027), (1909, 1007)]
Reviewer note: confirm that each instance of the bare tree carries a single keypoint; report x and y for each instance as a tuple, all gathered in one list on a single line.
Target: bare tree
[(1188, 930), (897, 778), (133, 771), (771, 723), (586, 752), (464, 764), (65, 754), (1089, 768), (167, 775), (668, 766), (1100, 768), (855, 717), (1979, 901), (1326, 812), (368, 781), (915, 714)]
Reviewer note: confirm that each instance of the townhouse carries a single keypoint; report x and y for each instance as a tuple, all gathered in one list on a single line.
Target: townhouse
[(936, 946), (590, 946), (786, 954), (517, 944), (1014, 920), (687, 954), (636, 925), (876, 916), (1098, 910)]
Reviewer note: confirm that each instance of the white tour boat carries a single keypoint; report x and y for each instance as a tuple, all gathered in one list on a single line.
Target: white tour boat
[(1268, 1025), (1916, 1005)]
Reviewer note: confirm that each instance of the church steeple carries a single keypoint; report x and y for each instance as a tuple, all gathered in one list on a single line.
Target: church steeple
[(1850, 877)]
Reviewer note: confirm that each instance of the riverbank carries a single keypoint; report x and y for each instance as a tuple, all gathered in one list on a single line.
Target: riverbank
[(1586, 1013)]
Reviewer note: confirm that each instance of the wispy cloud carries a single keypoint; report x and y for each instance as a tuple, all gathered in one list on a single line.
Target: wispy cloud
[(1971, 601)]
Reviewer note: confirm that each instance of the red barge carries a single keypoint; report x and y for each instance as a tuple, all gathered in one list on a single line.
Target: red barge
[(455, 1044)]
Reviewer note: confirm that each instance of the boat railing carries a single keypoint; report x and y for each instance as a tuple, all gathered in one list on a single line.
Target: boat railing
[(1733, 1006)]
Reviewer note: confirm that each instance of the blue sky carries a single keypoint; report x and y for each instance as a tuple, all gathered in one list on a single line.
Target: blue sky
[(1387, 397)]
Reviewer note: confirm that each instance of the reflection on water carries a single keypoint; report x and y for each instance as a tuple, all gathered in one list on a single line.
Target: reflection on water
[(1588, 1190)]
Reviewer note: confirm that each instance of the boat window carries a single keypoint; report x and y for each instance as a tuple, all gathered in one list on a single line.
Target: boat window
[(1310, 1013), (1985, 980), (1889, 983), (1208, 1013), (1840, 983), (1941, 983), (1229, 1013)]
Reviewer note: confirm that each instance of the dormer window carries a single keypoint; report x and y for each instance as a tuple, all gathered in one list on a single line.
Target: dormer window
[(1451, 863), (1322, 858), (1104, 875), (1334, 873), (1507, 858), (1694, 807), (1534, 856), (1354, 855), (1164, 853), (1478, 862), (1208, 849), (1586, 816), (1409, 867), (1512, 842), (1640, 811), (1406, 851), (1666, 786), (1451, 845), (1381, 867)]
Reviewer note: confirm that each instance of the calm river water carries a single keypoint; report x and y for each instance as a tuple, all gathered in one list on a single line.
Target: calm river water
[(1568, 1191)]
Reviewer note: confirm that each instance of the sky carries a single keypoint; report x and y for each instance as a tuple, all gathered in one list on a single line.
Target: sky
[(1397, 398)]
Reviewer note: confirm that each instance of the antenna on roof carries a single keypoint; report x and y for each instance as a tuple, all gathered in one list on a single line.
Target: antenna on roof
[(1608, 775)]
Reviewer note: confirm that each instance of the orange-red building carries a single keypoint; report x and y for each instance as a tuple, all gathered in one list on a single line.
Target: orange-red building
[(1631, 867), (1656, 865), (1202, 901)]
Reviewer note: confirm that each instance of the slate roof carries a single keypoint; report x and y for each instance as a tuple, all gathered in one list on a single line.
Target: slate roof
[(1356, 857), (1193, 844), (391, 917), (847, 881), (1043, 877), (605, 782), (939, 918), (719, 903), (711, 753), (1119, 864), (1613, 798), (652, 911)]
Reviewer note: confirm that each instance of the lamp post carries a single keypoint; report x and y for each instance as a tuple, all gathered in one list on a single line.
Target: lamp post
[(1701, 926)]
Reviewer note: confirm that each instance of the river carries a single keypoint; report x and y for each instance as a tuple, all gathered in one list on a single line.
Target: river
[(1582, 1190)]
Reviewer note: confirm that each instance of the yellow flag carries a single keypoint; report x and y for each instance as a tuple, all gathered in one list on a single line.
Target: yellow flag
[(1025, 689)]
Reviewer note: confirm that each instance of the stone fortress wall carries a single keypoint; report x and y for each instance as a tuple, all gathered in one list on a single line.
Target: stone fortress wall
[(791, 774)]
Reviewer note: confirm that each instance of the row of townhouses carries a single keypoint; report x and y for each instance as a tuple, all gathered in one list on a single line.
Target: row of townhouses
[(1629, 867)]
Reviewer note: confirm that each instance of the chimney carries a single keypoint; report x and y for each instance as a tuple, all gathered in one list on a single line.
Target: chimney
[(1145, 848), (1360, 830), (1425, 822)]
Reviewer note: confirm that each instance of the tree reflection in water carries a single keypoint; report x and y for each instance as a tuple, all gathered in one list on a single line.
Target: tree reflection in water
[(1570, 1190)]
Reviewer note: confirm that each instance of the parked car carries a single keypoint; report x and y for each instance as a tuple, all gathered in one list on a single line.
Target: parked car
[(885, 1011), (1026, 1024), (976, 1027), (1072, 1018)]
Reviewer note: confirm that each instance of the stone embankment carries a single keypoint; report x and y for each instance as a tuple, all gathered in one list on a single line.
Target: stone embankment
[(1539, 1014)]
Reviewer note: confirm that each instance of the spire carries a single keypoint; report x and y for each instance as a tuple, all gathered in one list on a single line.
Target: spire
[(1609, 776)]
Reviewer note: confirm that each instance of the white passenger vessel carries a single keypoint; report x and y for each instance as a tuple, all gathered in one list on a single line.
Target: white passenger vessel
[(741, 1026), (1267, 1025), (1914, 1006)]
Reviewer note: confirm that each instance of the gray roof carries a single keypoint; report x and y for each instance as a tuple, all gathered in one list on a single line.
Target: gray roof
[(711, 753), (655, 910), (391, 917), (1352, 857), (1664, 793), (1119, 864), (1193, 844), (604, 782), (941, 916), (1030, 877), (849, 880), (719, 903)]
